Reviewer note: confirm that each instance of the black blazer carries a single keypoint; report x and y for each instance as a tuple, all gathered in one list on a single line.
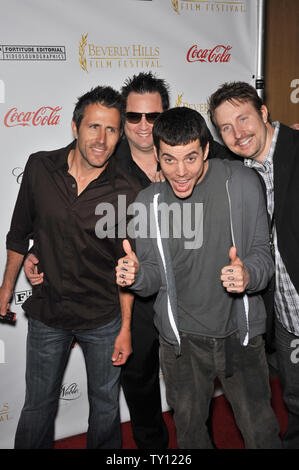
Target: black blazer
[(286, 199), (286, 214)]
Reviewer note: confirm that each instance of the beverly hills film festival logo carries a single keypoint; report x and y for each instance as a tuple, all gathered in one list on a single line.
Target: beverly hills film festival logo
[(210, 6), (94, 56), (159, 220), (201, 108)]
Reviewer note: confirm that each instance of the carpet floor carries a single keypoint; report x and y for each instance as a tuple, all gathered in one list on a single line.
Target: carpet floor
[(225, 431)]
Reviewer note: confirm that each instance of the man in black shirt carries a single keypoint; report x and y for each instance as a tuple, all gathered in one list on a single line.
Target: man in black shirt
[(142, 94), (144, 98), (57, 208)]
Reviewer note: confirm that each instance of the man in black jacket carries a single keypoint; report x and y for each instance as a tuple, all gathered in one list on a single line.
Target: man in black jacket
[(272, 149), (145, 97)]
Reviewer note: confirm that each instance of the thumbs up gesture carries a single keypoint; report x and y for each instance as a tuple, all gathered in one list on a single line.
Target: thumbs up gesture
[(127, 267), (234, 277)]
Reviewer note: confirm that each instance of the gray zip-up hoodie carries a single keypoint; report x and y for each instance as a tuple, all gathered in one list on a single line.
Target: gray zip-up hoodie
[(250, 235)]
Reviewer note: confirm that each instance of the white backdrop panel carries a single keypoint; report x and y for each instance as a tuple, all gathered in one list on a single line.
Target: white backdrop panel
[(96, 42)]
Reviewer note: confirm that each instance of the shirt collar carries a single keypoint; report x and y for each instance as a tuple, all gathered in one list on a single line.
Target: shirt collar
[(60, 162), (268, 160), (60, 156)]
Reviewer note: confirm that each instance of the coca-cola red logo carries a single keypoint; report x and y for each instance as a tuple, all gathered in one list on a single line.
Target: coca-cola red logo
[(44, 116), (219, 53)]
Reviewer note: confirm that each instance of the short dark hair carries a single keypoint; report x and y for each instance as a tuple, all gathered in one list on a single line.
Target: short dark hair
[(104, 95), (146, 82), (180, 126), (234, 91)]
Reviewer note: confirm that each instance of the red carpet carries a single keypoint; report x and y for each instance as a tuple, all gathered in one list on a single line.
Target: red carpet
[(225, 431)]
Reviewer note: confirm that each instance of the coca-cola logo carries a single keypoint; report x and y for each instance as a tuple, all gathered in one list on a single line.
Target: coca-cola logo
[(44, 116), (219, 53), (69, 392)]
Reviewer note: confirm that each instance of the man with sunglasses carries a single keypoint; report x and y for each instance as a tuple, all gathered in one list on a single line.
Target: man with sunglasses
[(144, 98)]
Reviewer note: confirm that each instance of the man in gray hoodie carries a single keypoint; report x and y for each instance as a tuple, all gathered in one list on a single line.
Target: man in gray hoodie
[(202, 243)]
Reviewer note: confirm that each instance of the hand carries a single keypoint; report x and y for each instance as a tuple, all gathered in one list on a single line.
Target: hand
[(295, 126), (158, 177), (31, 270), (5, 296), (127, 267), (122, 348), (235, 277)]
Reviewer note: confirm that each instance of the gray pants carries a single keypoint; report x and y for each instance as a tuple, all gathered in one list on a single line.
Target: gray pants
[(189, 381), (288, 365)]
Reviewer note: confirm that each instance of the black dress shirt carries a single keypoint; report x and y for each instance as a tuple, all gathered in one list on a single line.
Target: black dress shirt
[(79, 289), (124, 159)]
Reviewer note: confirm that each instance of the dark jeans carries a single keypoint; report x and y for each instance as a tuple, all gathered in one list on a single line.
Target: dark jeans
[(288, 368), (140, 380), (190, 379), (47, 354)]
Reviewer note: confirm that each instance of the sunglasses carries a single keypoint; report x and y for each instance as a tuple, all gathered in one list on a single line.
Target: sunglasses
[(134, 118)]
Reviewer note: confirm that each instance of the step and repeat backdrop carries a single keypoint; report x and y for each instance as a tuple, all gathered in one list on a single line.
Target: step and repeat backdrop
[(51, 53)]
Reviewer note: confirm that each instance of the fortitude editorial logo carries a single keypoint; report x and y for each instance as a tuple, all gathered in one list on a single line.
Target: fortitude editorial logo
[(39, 53)]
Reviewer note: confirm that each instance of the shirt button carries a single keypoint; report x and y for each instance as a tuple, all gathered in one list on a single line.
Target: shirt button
[(74, 185)]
